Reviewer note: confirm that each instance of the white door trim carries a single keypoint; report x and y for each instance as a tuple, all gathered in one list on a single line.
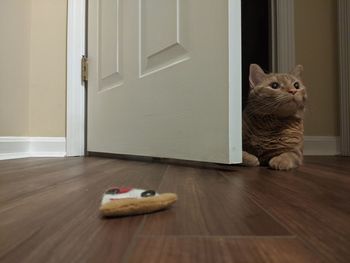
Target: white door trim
[(75, 132), (235, 76), (344, 74), (283, 35)]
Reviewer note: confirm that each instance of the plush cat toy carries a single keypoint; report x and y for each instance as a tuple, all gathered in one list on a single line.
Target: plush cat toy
[(273, 119), (123, 201)]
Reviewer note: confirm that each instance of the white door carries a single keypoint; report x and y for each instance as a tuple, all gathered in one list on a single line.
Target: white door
[(165, 79)]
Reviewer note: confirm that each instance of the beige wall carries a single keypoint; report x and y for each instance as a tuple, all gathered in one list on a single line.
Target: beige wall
[(316, 49), (33, 67), (14, 66), (47, 90)]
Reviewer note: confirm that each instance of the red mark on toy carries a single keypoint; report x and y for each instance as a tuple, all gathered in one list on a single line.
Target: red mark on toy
[(123, 190)]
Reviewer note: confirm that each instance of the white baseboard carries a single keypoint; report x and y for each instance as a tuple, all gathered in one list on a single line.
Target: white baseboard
[(321, 145), (23, 147)]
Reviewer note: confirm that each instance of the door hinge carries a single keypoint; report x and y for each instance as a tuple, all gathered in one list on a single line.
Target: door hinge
[(84, 68)]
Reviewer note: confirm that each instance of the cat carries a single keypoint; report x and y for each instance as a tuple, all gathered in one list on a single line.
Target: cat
[(273, 119)]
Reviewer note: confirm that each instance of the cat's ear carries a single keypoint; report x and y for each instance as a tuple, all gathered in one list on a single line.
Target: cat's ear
[(256, 75), (297, 71)]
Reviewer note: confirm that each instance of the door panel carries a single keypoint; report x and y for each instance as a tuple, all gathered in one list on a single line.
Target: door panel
[(159, 74), (162, 34), (110, 49)]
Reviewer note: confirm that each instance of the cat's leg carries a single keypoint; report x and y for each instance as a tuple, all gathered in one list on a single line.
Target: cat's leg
[(250, 159), (285, 161)]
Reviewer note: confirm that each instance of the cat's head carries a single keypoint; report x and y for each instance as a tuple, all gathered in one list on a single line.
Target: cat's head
[(278, 94)]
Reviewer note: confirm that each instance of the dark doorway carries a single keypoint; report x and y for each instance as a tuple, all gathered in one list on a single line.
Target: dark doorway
[(255, 39)]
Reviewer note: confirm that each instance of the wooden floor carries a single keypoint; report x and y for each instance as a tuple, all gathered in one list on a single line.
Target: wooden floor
[(49, 213)]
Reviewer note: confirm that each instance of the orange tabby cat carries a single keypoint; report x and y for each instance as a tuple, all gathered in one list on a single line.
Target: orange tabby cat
[(273, 119)]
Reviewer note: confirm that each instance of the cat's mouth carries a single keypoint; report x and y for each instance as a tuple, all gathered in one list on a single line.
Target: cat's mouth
[(294, 99), (299, 100), (292, 104)]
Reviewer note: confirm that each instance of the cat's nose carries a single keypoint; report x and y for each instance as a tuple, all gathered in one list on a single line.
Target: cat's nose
[(292, 91)]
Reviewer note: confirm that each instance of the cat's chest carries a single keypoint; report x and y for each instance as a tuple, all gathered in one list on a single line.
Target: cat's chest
[(262, 135)]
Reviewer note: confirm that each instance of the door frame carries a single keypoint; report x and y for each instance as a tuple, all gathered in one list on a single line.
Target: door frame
[(283, 56), (282, 35), (344, 78), (76, 48)]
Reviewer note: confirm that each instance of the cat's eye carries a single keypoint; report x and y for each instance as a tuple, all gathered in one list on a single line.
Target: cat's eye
[(274, 85), (296, 85)]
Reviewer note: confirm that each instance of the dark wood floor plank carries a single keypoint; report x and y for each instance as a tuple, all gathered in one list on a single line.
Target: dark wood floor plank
[(336, 163), (11, 169), (10, 164), (62, 224), (30, 180), (302, 202), (49, 212), (223, 250), (209, 205)]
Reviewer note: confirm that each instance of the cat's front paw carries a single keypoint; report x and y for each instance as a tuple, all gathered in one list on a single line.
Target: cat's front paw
[(283, 162), (250, 160)]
